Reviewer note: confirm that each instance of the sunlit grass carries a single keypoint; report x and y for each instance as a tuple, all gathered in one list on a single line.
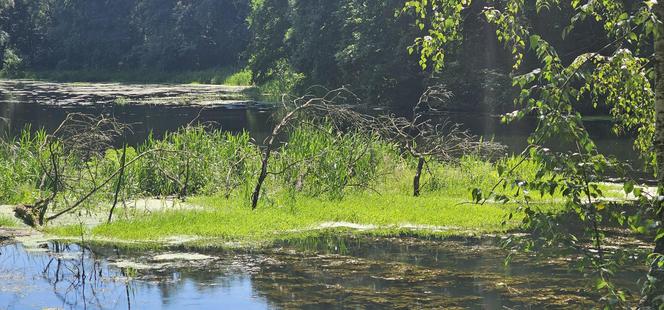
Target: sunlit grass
[(6, 221), (67, 230), (224, 76), (443, 209), (232, 220), (387, 209), (373, 195), (241, 78)]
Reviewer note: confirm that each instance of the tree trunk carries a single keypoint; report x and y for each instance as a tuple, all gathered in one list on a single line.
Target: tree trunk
[(118, 186), (418, 175), (261, 178), (656, 274), (268, 151)]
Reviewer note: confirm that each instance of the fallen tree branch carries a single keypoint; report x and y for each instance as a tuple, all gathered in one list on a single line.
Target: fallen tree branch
[(100, 186)]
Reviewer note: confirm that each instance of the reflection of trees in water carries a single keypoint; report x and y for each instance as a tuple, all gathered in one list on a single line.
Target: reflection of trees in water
[(378, 273), (81, 278), (77, 277)]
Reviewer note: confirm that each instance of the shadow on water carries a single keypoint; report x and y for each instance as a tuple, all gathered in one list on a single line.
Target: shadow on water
[(320, 273), (159, 109), (144, 120)]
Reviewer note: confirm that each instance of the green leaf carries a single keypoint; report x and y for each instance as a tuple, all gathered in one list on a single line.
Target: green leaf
[(628, 187), (660, 235), (601, 284), (535, 41), (501, 170)]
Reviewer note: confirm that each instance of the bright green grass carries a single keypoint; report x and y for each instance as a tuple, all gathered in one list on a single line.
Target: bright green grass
[(241, 78), (443, 210), (224, 76), (233, 221), (6, 221)]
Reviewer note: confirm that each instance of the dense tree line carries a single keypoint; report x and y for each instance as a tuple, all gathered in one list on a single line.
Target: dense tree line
[(125, 34), (355, 42), (363, 44)]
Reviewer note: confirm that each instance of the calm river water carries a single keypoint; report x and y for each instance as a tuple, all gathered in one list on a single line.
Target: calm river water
[(325, 273), (166, 108)]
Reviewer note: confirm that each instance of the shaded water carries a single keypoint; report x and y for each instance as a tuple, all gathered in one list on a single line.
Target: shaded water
[(319, 274), (155, 109), (163, 108)]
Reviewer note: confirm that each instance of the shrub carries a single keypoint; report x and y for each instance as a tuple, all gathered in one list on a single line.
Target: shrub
[(317, 162), (20, 168), (193, 161), (12, 64)]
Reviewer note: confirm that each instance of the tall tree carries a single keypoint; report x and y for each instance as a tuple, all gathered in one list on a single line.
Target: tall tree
[(657, 269), (616, 70), (359, 43), (125, 34)]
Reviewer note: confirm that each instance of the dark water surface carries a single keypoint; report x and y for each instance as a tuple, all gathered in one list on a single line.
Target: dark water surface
[(344, 273), (163, 108)]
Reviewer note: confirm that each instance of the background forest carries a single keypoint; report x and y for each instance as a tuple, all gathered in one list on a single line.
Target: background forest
[(283, 44)]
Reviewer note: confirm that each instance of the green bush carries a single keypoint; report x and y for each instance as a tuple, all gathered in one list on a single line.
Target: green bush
[(193, 161), (242, 78), (318, 162), (283, 80), (12, 64), (314, 161), (20, 167)]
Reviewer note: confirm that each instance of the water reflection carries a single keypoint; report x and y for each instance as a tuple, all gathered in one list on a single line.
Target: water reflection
[(74, 277), (143, 119), (354, 273)]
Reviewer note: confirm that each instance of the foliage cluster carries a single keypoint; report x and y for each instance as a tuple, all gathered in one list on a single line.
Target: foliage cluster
[(616, 71), (314, 161), (156, 35), (286, 46), (361, 43)]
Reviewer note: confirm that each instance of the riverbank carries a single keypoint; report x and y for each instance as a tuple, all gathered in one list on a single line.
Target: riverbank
[(366, 190), (411, 245), (230, 222), (218, 76), (215, 221), (203, 222)]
